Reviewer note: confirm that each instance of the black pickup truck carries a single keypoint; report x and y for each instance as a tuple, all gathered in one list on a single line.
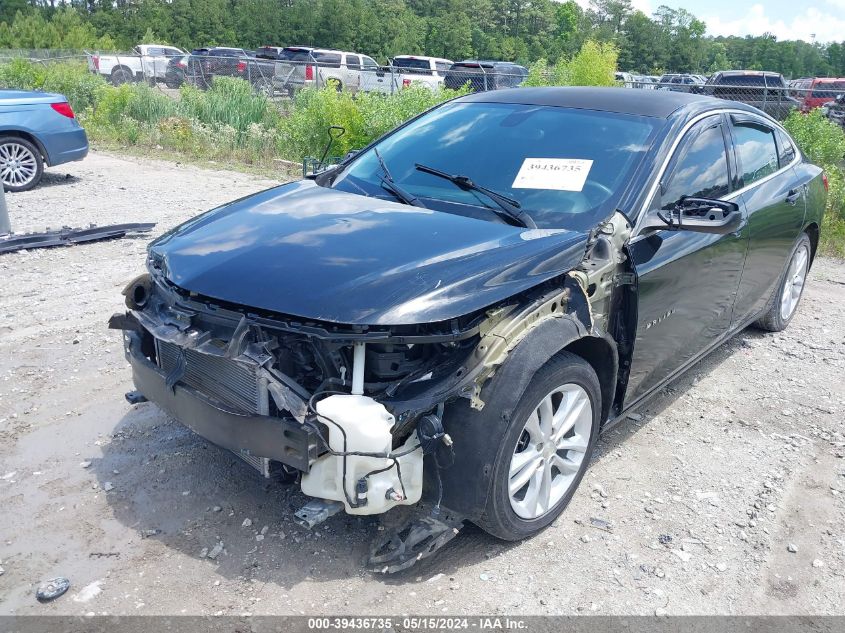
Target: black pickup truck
[(766, 91), (232, 62)]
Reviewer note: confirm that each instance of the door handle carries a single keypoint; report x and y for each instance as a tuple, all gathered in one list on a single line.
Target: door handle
[(792, 196)]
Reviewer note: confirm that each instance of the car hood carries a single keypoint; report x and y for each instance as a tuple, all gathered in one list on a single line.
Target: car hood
[(317, 253)]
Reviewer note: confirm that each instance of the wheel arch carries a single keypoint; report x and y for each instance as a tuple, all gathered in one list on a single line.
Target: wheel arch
[(814, 233), (32, 138), (501, 394), (601, 354)]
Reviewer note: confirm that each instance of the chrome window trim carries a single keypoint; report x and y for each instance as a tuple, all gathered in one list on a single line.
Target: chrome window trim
[(643, 211)]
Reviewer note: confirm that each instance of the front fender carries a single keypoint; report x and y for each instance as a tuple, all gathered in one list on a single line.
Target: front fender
[(467, 482)]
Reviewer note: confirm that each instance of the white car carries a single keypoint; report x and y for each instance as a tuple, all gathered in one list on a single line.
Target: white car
[(146, 62)]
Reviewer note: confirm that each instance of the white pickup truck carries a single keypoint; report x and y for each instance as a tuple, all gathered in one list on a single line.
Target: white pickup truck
[(145, 62), (416, 69)]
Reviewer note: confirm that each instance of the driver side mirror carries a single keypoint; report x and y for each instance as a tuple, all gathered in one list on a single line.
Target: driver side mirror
[(701, 215)]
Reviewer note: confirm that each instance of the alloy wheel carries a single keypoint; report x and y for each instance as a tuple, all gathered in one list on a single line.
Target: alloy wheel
[(796, 275), (550, 451), (18, 165)]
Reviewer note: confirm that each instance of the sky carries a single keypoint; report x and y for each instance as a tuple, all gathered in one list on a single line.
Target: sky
[(787, 19)]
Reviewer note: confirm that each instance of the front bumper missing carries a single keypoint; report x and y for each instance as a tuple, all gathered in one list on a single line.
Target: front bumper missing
[(281, 439)]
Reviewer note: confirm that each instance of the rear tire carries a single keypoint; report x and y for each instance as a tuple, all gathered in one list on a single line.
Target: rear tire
[(21, 164), (545, 450), (787, 295), (121, 75)]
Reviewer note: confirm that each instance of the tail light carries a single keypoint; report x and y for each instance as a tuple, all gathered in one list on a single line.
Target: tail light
[(825, 182), (406, 83), (309, 73), (241, 66), (64, 109), (95, 59)]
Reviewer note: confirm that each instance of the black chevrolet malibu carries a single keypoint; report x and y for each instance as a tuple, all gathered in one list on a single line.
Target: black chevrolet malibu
[(450, 318)]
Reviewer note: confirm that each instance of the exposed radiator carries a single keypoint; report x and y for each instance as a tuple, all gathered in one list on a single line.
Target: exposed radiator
[(220, 378), (224, 380)]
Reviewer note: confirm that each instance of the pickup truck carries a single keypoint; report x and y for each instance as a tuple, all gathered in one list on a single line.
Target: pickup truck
[(208, 63), (300, 67), (146, 62), (766, 91)]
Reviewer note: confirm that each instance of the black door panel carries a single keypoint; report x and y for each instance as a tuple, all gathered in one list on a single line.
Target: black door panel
[(776, 206), (687, 281), (687, 286), (774, 224)]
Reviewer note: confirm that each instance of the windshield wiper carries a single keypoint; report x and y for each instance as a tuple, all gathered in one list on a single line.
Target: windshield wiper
[(509, 206), (388, 183)]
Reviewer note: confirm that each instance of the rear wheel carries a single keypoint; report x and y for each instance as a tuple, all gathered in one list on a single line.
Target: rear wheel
[(121, 75), (21, 165), (545, 450), (787, 295)]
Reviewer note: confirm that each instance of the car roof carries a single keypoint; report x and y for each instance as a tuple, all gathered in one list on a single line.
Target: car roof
[(437, 59), (651, 103), (736, 73)]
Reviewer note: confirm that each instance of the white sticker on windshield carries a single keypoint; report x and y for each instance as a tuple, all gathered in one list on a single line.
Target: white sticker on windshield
[(562, 174)]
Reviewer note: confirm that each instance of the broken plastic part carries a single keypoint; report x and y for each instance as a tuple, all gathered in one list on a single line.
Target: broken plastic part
[(52, 589), (135, 397), (67, 236), (418, 538), (316, 511)]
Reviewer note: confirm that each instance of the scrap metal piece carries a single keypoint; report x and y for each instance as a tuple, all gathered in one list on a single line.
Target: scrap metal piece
[(316, 511), (67, 236), (416, 539)]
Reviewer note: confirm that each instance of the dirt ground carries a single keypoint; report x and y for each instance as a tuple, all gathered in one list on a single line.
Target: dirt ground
[(734, 465)]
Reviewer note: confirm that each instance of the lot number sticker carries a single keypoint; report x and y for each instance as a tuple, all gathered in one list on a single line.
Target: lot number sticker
[(562, 174)]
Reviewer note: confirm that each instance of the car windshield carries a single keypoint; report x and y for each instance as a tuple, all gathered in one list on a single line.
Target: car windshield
[(829, 89), (565, 167)]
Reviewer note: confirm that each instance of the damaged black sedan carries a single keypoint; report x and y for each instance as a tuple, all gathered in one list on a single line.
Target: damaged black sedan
[(449, 318)]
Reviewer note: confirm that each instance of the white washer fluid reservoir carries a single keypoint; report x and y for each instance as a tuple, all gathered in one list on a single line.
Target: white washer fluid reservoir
[(367, 425)]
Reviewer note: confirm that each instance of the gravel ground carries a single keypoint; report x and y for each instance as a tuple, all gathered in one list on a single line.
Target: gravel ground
[(700, 499)]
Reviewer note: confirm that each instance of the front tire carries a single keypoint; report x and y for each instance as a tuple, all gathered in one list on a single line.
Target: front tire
[(21, 165), (784, 303), (545, 450)]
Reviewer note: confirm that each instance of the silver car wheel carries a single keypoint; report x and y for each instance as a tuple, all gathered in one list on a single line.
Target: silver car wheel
[(796, 275), (18, 165), (549, 451)]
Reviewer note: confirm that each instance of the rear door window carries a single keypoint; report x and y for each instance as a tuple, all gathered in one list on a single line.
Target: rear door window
[(700, 168), (328, 60), (413, 66), (353, 62), (756, 151)]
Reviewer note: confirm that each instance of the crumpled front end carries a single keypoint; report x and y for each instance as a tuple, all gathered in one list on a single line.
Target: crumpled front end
[(353, 413)]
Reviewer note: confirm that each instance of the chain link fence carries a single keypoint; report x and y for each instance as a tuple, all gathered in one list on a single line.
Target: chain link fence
[(280, 73)]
